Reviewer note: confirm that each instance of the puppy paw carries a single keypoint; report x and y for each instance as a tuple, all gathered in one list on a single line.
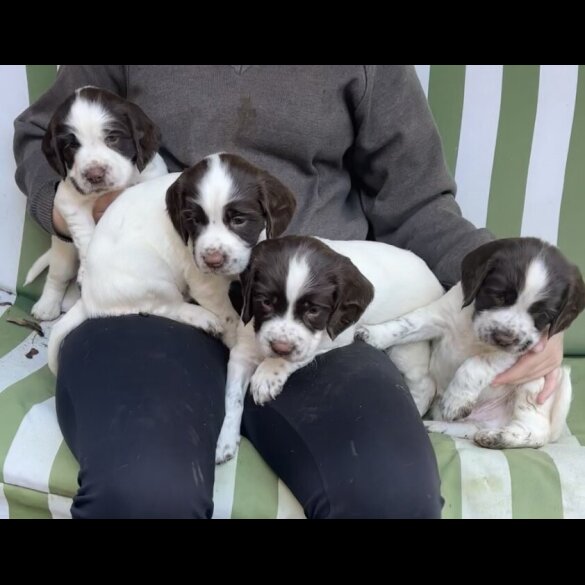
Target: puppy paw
[(230, 336), (490, 439), (267, 382), (227, 444), (510, 438), (371, 335), (46, 309), (455, 407)]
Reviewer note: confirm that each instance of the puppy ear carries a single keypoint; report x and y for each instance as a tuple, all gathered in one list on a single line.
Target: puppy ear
[(475, 268), (573, 303), (145, 135), (51, 149), (353, 295), (247, 280), (175, 200), (278, 203)]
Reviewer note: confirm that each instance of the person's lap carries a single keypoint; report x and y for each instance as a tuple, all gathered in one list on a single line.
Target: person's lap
[(140, 403)]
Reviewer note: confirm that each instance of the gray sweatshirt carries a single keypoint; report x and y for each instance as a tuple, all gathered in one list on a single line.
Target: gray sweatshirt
[(357, 145)]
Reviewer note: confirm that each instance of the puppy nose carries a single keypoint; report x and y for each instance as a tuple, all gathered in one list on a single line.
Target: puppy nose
[(95, 174), (214, 259), (504, 338), (282, 348)]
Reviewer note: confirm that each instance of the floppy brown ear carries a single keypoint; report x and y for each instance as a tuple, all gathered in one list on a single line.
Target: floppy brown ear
[(278, 203), (354, 293), (175, 200), (247, 280), (51, 149), (573, 303), (145, 134), (475, 267)]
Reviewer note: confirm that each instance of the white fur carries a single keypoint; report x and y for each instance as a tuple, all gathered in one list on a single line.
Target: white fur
[(463, 367), (402, 282), (89, 122), (216, 189)]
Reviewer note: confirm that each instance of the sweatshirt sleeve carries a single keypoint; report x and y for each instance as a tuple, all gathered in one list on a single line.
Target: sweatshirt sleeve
[(34, 176), (407, 192)]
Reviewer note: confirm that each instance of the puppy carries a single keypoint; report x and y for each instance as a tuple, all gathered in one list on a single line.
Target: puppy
[(97, 142), (511, 292), (303, 296), (178, 236)]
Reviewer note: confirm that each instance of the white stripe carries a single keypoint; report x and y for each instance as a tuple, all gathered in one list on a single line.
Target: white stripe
[(223, 488), (424, 74), (557, 91), (4, 509), (486, 485), (477, 140), (34, 448), (13, 101), (288, 505), (60, 507), (14, 366)]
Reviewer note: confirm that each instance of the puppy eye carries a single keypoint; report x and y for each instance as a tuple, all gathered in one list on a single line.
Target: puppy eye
[(312, 311), (268, 303), (499, 300), (112, 139), (238, 220)]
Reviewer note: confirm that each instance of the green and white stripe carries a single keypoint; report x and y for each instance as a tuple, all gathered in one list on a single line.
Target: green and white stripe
[(514, 137)]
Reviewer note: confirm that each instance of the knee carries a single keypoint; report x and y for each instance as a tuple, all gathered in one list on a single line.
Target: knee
[(125, 496), (396, 495)]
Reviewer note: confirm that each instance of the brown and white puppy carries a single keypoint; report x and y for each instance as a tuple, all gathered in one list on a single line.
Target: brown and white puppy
[(97, 142), (511, 292), (304, 296), (182, 235)]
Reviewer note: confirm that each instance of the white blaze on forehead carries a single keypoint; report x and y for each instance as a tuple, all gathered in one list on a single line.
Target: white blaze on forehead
[(535, 285), (297, 279), (215, 189), (88, 120)]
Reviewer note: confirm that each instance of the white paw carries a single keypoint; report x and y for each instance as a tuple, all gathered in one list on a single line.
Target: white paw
[(204, 319), (436, 426), (229, 336), (227, 444), (267, 382), (456, 405), (370, 335), (46, 309)]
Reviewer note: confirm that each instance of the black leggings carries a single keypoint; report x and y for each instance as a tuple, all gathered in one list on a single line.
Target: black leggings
[(140, 401)]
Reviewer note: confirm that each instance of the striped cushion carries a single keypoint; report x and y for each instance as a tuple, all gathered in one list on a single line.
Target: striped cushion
[(520, 134)]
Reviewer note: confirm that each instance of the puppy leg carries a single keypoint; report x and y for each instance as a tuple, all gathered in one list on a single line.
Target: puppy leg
[(62, 269), (413, 362), (242, 363), (473, 375), (271, 376), (193, 315), (531, 422), (461, 430)]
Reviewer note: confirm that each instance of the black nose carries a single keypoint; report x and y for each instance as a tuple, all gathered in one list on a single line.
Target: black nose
[(504, 338), (95, 175)]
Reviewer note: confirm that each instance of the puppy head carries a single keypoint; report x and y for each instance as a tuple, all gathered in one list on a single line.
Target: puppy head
[(99, 141), (298, 290), (520, 287), (225, 205)]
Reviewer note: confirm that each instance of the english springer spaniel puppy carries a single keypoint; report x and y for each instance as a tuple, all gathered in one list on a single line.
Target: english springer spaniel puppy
[(182, 235), (97, 142), (511, 292), (303, 296)]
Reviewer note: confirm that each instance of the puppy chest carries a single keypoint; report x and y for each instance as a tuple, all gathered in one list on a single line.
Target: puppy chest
[(447, 355)]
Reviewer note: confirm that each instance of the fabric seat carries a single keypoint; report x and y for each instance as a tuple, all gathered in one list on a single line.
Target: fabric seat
[(514, 136)]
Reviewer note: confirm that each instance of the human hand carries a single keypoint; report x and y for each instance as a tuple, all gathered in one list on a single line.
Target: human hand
[(103, 202), (543, 360)]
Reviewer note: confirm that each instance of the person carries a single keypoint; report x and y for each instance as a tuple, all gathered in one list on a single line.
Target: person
[(140, 399)]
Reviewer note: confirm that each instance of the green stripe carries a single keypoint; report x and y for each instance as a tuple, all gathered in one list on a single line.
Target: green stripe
[(572, 217), (536, 485), (512, 155), (576, 418), (256, 489), (34, 240), (63, 476), (446, 91), (450, 471), (25, 503), (17, 400), (10, 334)]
